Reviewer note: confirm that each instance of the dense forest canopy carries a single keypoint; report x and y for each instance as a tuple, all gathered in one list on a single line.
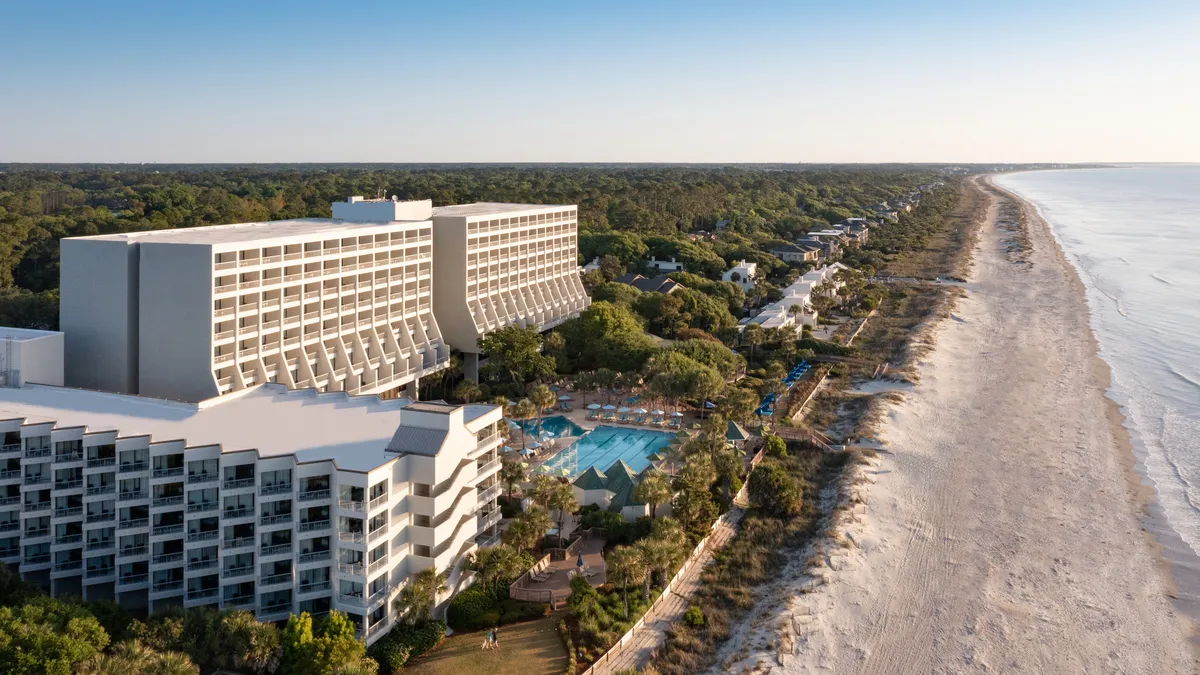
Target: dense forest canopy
[(629, 212)]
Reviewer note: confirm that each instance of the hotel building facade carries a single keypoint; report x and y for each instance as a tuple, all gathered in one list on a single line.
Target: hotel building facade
[(269, 500)]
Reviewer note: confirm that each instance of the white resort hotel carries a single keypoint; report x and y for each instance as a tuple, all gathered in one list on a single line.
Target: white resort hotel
[(229, 416)]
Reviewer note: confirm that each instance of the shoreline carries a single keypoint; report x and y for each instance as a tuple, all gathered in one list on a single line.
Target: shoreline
[(1178, 564)]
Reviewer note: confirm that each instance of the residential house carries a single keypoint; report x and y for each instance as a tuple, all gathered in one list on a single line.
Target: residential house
[(658, 284), (742, 273), (796, 252)]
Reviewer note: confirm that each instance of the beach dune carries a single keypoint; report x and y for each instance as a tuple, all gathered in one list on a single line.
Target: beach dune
[(1002, 531)]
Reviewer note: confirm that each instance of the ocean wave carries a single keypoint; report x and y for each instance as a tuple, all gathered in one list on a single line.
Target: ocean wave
[(1182, 376), (1156, 277)]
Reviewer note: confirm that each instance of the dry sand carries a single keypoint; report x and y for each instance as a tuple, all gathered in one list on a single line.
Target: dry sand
[(1001, 531)]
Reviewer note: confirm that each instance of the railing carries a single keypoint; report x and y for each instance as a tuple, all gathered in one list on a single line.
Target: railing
[(202, 593), (276, 579), (314, 556), (378, 532), (66, 565), (130, 496), (68, 539), (243, 512), (276, 549), (373, 567), (101, 462), (240, 600), (168, 501), (312, 495), (131, 579), (202, 564), (69, 457), (354, 537), (202, 506), (8, 501), (237, 571), (34, 453), (37, 480), (101, 517), (351, 599), (167, 529), (235, 483), (10, 553), (315, 586), (101, 490), (350, 504), (10, 448), (165, 558), (277, 608), (38, 559), (276, 489), (164, 586), (276, 519), (203, 536), (351, 568), (201, 478), (169, 471), (14, 473), (100, 572), (131, 551), (131, 467), (484, 442), (101, 545), (240, 542), (489, 494), (39, 532), (314, 525), (378, 501), (132, 523)]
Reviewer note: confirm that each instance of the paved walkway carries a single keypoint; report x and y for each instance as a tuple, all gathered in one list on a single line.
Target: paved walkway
[(637, 652)]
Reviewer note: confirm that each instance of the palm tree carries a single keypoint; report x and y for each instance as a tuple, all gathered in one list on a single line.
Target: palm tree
[(256, 643), (495, 563), (415, 603), (625, 564), (527, 529), (654, 489), (512, 474), (522, 411), (133, 658), (543, 398), (467, 391), (655, 555)]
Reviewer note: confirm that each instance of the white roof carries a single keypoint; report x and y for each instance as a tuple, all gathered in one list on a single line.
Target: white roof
[(23, 334), (247, 232), (352, 431), (494, 209)]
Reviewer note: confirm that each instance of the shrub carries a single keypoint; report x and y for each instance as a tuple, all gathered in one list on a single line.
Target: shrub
[(565, 634), (390, 654), (693, 617), (409, 641), (773, 490), (467, 608), (774, 446)]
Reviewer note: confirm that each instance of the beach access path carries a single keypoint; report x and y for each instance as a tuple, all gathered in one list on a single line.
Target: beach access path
[(1001, 530)]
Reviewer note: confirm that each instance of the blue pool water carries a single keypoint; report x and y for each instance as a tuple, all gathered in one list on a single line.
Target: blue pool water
[(604, 445), (552, 427)]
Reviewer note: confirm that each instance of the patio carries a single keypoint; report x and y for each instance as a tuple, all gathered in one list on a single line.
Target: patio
[(558, 586)]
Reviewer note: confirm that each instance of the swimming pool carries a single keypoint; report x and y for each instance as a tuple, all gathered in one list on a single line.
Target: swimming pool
[(604, 445), (552, 427)]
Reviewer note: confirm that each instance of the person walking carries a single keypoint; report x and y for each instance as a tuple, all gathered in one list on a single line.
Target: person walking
[(496, 638)]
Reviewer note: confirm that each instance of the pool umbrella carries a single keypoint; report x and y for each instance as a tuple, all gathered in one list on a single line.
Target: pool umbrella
[(640, 411), (594, 406), (676, 414), (579, 563), (609, 407), (564, 397), (542, 469), (622, 409), (523, 465), (506, 448), (527, 452), (657, 412), (535, 445), (564, 472), (654, 457)]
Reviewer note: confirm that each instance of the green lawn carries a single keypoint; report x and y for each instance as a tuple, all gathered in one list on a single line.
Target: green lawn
[(530, 648)]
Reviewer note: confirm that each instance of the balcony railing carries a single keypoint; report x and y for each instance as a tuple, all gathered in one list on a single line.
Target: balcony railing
[(314, 525), (489, 494), (39, 532), (8, 474), (101, 517), (99, 462), (167, 529), (276, 489), (351, 568), (168, 471), (202, 564), (93, 572), (276, 608), (37, 480), (9, 448), (276, 579), (378, 564), (131, 496), (67, 565), (237, 571), (132, 551), (276, 549), (240, 542), (312, 495), (37, 559), (235, 483), (194, 478), (203, 536), (276, 519), (133, 467), (314, 556), (378, 502), (164, 586), (101, 544), (350, 505), (133, 523), (240, 601), (243, 512), (167, 558), (68, 539), (315, 586), (169, 500), (131, 579), (10, 526), (8, 501), (34, 453), (202, 506), (351, 599), (69, 456), (378, 532), (201, 593), (101, 490), (354, 537)]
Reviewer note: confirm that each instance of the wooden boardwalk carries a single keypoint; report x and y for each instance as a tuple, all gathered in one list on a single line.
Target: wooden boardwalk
[(638, 651)]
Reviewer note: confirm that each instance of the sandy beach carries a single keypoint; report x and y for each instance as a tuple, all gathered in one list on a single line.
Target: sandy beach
[(1001, 530)]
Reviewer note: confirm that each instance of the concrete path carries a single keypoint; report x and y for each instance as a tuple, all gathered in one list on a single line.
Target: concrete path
[(637, 652)]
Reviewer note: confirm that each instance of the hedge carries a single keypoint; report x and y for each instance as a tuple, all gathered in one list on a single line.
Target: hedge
[(390, 652)]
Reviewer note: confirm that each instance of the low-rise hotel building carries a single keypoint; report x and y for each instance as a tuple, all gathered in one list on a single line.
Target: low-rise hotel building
[(269, 500), (499, 265)]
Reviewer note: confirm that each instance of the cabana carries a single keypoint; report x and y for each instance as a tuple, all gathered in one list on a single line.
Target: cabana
[(639, 416), (676, 419), (564, 403), (735, 434), (607, 411), (593, 411), (656, 417), (622, 414)]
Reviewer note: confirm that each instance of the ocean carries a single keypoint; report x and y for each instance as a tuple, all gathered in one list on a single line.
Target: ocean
[(1133, 235)]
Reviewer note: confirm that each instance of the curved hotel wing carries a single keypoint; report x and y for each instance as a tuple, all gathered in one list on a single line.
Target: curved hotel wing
[(269, 500)]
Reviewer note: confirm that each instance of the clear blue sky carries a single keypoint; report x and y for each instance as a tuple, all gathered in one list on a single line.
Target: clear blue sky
[(835, 80)]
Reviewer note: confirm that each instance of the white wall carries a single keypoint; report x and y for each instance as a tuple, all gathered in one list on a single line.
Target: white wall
[(39, 359), (176, 322), (357, 209), (98, 313), (450, 284)]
